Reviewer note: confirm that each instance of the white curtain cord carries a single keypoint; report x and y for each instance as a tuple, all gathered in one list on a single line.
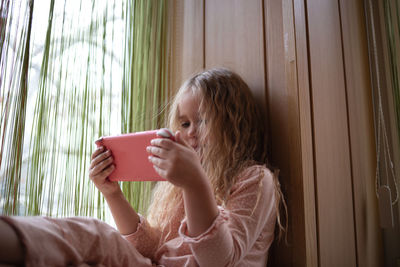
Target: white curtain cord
[(381, 122)]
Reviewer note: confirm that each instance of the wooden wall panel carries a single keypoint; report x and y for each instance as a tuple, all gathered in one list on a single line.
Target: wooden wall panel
[(336, 234), (187, 49), (306, 132), (193, 44), (234, 39), (277, 95), (291, 143), (175, 11), (362, 139)]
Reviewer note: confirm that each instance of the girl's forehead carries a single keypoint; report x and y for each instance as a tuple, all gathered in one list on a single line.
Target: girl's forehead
[(188, 103), (189, 97)]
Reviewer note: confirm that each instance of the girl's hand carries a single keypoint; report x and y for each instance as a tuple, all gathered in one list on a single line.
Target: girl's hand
[(100, 168), (177, 162)]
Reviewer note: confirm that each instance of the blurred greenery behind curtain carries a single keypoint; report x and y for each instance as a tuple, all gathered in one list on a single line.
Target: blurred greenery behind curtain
[(95, 68)]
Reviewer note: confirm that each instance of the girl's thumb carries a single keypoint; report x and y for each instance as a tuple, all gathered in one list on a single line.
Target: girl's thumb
[(179, 139)]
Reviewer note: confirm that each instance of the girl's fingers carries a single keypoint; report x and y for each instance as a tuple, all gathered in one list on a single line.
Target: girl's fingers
[(180, 140), (162, 142), (158, 162), (97, 152), (157, 151), (105, 173), (100, 158), (160, 171)]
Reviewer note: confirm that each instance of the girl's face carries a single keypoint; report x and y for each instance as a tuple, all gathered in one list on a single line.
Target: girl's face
[(189, 118)]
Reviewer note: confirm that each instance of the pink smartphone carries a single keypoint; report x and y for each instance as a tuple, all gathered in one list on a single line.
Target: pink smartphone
[(130, 155)]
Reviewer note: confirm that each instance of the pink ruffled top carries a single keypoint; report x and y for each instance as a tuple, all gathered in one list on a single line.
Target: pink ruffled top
[(240, 235)]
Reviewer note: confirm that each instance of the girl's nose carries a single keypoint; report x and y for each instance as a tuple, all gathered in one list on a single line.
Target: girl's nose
[(192, 131)]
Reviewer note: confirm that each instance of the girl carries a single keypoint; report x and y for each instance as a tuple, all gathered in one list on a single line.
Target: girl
[(218, 208)]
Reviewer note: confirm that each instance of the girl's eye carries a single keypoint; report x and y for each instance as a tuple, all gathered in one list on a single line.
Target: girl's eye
[(185, 124)]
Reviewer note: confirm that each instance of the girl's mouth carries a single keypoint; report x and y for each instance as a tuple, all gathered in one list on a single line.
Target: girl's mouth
[(194, 146)]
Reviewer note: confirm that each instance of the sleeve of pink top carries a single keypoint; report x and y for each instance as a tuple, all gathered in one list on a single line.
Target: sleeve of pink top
[(250, 207), (145, 239)]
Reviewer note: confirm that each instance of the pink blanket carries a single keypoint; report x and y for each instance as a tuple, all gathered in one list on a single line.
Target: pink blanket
[(74, 242)]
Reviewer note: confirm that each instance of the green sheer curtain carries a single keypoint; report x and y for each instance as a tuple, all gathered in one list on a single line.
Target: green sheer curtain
[(15, 35), (96, 68)]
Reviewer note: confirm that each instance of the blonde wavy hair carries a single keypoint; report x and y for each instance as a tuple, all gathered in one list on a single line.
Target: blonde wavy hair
[(233, 131)]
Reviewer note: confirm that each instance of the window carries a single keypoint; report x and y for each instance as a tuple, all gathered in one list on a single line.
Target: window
[(95, 68)]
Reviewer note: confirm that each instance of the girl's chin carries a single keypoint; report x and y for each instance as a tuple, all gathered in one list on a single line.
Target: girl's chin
[(196, 148)]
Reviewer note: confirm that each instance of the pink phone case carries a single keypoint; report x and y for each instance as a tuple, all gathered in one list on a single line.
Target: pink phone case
[(130, 156)]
